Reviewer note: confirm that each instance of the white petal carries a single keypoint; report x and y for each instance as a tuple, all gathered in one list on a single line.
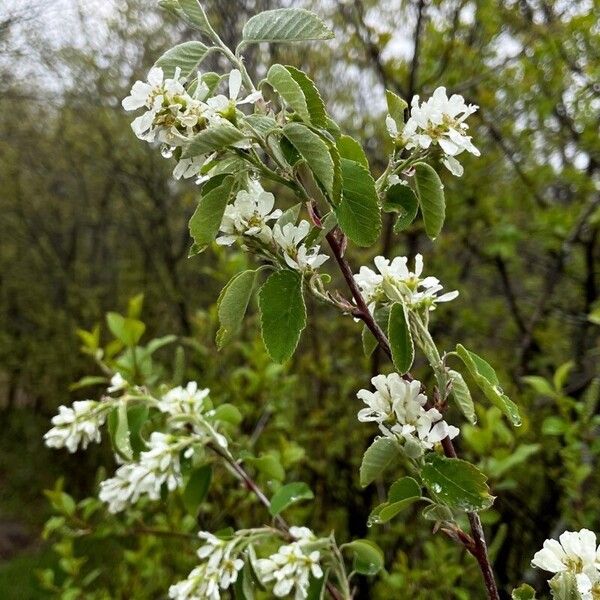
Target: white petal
[(235, 83)]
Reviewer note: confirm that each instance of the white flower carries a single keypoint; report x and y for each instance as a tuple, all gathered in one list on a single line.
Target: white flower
[(219, 572), (188, 400), (157, 466), (249, 215), (440, 120), (290, 568), (223, 104), (398, 284), (295, 253), (117, 383), (188, 167), (77, 425), (398, 406)]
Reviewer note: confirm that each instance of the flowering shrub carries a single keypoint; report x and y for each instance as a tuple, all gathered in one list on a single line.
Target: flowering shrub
[(166, 438)]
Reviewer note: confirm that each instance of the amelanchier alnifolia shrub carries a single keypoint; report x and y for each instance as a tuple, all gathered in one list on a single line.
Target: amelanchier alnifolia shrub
[(278, 133)]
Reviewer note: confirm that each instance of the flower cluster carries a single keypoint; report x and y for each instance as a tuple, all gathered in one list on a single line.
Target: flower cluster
[(575, 553), (188, 400), (219, 571), (291, 566), (173, 115), (398, 407), (396, 283), (439, 120), (290, 239), (157, 466), (77, 425)]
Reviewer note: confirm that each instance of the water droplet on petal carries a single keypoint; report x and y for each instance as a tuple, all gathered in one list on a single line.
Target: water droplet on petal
[(167, 151)]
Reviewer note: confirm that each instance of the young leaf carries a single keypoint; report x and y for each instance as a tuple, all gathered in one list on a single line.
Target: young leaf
[(314, 102), (564, 587), (196, 488), (290, 215), (285, 25), (377, 457), (368, 557), (282, 313), (289, 494), (401, 199), (457, 483), (402, 494), (228, 413), (349, 148), (118, 429), (396, 107), (186, 56), (136, 417), (401, 343), (194, 14), (358, 212), (523, 592), (462, 395), (214, 138), (316, 154), (289, 89), (205, 222), (232, 305), (129, 331), (487, 380), (430, 193), (437, 512)]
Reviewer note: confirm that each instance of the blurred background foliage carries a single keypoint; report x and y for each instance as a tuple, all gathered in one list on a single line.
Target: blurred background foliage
[(90, 217)]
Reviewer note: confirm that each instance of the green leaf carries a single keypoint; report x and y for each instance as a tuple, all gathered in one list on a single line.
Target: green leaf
[(282, 313), (194, 14), (232, 305), (118, 429), (401, 199), (129, 331), (289, 494), (430, 193), (135, 305), (368, 557), (289, 89), (261, 123), (540, 385), (290, 215), (314, 102), (316, 154), (457, 483), (186, 56), (377, 457), (228, 413), (269, 465), (358, 212), (87, 381), (564, 586), (285, 25), (136, 417), (196, 488), (369, 343), (462, 396), (349, 148), (523, 592), (206, 220), (212, 139), (437, 512), (401, 343), (396, 107), (561, 375), (317, 587), (554, 425), (497, 466), (485, 377), (402, 494)]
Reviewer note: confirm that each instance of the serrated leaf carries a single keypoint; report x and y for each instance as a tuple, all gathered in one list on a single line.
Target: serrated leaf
[(186, 56), (401, 199), (232, 305), (285, 25), (206, 220), (358, 213), (486, 379), (316, 154), (401, 343), (396, 107), (457, 483), (314, 102), (194, 14), (289, 494), (217, 137), (349, 148), (289, 89), (430, 193), (282, 313), (128, 331), (261, 123), (368, 557), (196, 488), (462, 396), (377, 457)]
